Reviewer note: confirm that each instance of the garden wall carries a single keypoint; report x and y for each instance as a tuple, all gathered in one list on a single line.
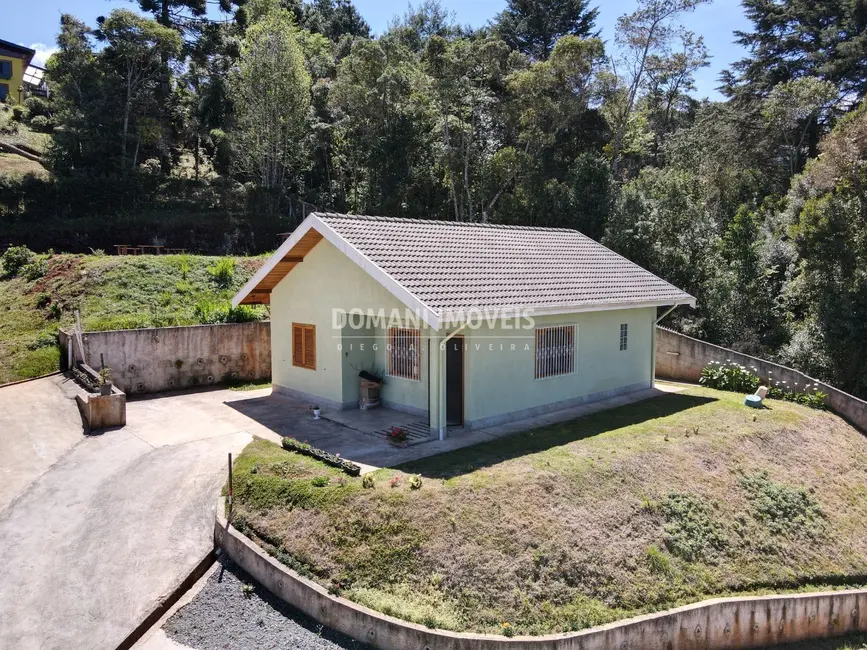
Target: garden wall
[(166, 358), (681, 358), (751, 622)]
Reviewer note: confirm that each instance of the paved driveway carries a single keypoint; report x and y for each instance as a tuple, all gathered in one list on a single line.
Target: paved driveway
[(96, 530)]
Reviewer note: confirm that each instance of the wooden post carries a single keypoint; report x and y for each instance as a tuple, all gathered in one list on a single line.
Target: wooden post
[(230, 484)]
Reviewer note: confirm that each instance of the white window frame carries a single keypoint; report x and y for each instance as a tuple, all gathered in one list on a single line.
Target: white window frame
[(624, 336), (553, 368), (407, 368)]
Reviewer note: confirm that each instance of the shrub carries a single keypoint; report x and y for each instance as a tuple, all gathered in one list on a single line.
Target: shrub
[(19, 113), (41, 124), (151, 166), (43, 299), (736, 378), (36, 106), (785, 510), (690, 531), (729, 376), (35, 270), (223, 272), (15, 258), (398, 434), (657, 560), (395, 481), (290, 444), (415, 482), (320, 481), (241, 314), (368, 482)]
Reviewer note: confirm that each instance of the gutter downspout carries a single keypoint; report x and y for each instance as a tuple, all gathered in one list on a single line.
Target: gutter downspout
[(442, 380), (653, 344)]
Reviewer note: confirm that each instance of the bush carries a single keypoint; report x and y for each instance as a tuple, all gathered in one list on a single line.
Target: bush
[(690, 531), (35, 270), (415, 482), (210, 312), (736, 378), (36, 106), (152, 166), (785, 510), (368, 482), (729, 376), (223, 272), (19, 113), (41, 124), (15, 258)]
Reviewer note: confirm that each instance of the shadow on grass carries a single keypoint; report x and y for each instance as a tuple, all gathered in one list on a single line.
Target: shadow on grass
[(469, 459)]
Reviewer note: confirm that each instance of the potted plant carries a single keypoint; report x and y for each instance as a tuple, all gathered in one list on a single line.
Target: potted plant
[(398, 436), (105, 381), (316, 412)]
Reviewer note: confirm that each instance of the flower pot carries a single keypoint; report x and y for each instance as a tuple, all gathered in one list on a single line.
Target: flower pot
[(105, 389), (316, 413)]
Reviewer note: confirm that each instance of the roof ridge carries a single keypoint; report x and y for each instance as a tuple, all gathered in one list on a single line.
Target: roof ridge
[(440, 222)]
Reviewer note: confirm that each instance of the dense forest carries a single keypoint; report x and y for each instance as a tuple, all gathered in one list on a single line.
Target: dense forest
[(218, 133)]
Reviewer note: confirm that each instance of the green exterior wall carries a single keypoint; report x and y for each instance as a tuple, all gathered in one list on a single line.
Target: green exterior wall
[(499, 382), (499, 379), (325, 280)]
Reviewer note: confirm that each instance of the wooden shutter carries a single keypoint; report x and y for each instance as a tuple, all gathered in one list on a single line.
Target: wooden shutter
[(304, 346)]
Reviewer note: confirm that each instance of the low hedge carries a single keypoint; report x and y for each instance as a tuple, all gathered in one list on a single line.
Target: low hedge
[(334, 460)]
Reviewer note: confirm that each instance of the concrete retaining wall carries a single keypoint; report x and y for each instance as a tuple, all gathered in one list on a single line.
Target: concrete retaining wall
[(681, 357), (167, 358), (710, 625)]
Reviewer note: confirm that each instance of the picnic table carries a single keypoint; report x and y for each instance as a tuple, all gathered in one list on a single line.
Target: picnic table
[(147, 249)]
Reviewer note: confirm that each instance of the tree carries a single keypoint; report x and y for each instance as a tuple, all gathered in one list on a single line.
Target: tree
[(793, 39), (534, 26), (335, 19), (135, 50), (271, 89), (791, 110), (644, 39)]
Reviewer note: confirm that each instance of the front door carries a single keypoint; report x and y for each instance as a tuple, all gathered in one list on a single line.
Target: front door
[(455, 382)]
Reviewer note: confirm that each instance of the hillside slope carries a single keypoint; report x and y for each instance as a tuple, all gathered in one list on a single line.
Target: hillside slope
[(111, 293), (638, 509)]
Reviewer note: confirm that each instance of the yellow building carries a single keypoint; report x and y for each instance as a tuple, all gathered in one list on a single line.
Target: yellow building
[(14, 61)]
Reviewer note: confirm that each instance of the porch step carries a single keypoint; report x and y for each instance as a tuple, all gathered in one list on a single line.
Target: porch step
[(416, 432)]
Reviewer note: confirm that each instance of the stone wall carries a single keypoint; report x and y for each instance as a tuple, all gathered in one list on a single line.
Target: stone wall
[(681, 358), (750, 622), (168, 358)]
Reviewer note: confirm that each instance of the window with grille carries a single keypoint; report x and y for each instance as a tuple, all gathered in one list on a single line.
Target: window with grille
[(624, 335), (555, 351), (304, 346), (403, 352)]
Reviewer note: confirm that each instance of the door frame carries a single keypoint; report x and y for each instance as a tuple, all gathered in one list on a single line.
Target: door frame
[(463, 380)]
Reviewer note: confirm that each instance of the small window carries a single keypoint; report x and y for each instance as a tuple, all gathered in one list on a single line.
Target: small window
[(4, 91), (6, 70), (624, 335), (403, 353), (555, 351), (304, 346)]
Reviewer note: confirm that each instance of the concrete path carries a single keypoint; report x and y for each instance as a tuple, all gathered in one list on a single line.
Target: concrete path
[(53, 428), (108, 524)]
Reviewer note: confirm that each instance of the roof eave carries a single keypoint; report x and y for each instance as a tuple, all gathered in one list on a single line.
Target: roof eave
[(459, 316), (428, 315)]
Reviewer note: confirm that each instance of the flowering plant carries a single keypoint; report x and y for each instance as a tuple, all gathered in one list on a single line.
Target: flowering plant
[(398, 434)]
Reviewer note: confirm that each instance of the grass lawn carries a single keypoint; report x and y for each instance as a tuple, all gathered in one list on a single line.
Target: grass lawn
[(637, 509), (856, 642), (111, 292)]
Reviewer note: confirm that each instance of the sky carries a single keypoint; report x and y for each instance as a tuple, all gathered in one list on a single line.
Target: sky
[(34, 23)]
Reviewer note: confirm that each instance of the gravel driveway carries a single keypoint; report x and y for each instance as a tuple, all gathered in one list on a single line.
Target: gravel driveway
[(226, 616)]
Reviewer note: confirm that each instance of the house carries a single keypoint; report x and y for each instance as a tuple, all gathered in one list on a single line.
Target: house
[(14, 60), (470, 324)]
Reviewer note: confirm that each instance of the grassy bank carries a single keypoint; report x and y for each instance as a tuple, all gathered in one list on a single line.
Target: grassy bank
[(645, 507), (110, 292)]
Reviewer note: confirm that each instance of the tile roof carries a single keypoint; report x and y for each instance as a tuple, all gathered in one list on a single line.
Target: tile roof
[(454, 266)]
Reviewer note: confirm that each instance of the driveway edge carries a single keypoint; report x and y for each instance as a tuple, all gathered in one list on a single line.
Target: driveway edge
[(166, 603), (739, 622)]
